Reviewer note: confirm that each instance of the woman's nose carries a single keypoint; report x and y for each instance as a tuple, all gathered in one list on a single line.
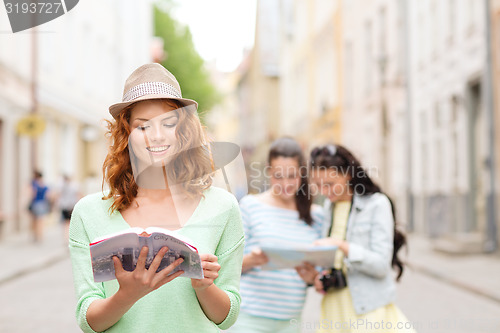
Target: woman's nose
[(157, 134)]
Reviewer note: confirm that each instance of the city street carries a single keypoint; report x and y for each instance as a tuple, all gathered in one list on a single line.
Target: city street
[(433, 307), (43, 301)]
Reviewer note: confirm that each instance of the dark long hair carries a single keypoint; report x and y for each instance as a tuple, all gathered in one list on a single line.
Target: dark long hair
[(288, 147), (336, 156)]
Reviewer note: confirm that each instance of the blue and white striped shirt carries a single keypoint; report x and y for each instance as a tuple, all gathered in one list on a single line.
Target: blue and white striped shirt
[(276, 294)]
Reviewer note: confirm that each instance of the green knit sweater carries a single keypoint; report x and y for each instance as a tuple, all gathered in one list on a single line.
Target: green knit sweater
[(215, 227)]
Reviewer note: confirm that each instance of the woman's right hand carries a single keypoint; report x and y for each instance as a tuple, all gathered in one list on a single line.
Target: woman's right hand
[(318, 284), (307, 272), (141, 281)]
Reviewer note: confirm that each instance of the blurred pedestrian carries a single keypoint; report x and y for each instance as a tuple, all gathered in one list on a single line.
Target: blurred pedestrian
[(158, 171), (39, 205), (67, 196), (360, 287), (281, 215)]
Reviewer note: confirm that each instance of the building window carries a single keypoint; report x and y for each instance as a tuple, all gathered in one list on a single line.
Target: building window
[(470, 15), (438, 152), (369, 57), (349, 73), (421, 38), (496, 51), (454, 140), (452, 19), (424, 158), (433, 30), (437, 116), (383, 31)]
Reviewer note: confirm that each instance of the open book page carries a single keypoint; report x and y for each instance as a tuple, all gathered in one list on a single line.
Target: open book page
[(136, 231), (151, 230), (127, 246), (281, 257)]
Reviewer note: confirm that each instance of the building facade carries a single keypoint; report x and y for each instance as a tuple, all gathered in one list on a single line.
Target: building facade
[(68, 71), (404, 85), (374, 86), (311, 71), (495, 53), (451, 162)]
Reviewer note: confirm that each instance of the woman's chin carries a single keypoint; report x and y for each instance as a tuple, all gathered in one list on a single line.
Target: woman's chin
[(161, 161), (287, 196)]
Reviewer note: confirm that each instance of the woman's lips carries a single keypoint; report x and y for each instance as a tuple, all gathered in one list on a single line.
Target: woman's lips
[(158, 149)]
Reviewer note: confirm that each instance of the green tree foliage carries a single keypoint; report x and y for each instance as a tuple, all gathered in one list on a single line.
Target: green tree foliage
[(183, 60)]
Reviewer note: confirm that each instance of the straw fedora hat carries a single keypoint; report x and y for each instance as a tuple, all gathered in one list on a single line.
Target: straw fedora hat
[(150, 81)]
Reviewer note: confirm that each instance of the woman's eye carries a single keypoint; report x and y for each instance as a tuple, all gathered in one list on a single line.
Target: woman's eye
[(170, 125), (142, 128)]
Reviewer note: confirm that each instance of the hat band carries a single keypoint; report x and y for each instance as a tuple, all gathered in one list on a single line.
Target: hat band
[(151, 88)]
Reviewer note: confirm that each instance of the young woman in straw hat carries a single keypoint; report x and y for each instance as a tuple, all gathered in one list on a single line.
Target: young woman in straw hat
[(360, 289), (158, 172)]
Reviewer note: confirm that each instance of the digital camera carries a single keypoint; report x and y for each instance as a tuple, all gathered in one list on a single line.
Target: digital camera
[(335, 278)]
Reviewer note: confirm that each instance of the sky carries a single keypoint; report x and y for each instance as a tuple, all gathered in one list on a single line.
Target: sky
[(221, 29)]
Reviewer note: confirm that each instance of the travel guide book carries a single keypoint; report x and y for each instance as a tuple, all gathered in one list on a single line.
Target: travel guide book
[(127, 245), (289, 257)]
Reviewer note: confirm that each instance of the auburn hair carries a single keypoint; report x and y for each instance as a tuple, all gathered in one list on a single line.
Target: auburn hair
[(192, 166)]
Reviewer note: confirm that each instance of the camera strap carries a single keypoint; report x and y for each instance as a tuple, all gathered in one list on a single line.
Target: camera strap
[(338, 228)]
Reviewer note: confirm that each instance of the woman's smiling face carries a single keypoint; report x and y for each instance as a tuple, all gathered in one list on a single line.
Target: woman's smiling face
[(152, 138)]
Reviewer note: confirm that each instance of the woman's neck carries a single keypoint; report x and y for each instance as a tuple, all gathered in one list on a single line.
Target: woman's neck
[(155, 182), (279, 201)]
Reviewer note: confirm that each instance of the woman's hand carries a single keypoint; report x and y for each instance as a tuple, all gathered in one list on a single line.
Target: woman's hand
[(210, 272), (213, 300), (140, 282), (104, 313), (341, 244), (255, 258), (328, 242), (318, 285), (307, 272)]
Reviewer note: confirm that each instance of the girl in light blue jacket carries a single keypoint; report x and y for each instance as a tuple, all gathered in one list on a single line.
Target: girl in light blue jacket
[(360, 287)]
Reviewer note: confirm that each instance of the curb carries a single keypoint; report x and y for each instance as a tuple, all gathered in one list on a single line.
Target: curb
[(38, 266), (443, 277)]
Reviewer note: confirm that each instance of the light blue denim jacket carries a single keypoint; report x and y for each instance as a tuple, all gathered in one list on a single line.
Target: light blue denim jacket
[(370, 234)]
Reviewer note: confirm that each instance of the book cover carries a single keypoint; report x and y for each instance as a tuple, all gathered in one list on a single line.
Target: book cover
[(289, 257), (127, 244)]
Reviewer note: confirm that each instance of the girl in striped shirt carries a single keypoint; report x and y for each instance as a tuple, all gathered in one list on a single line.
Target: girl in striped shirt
[(273, 299)]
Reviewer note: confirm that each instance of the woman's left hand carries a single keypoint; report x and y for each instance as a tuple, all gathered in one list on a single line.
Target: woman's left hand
[(341, 244), (210, 272), (328, 242)]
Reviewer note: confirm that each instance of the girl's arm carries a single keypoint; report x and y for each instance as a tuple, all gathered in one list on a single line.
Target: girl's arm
[(218, 293), (374, 257), (214, 301)]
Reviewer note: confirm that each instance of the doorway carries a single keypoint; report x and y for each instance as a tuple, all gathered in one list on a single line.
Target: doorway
[(478, 159)]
